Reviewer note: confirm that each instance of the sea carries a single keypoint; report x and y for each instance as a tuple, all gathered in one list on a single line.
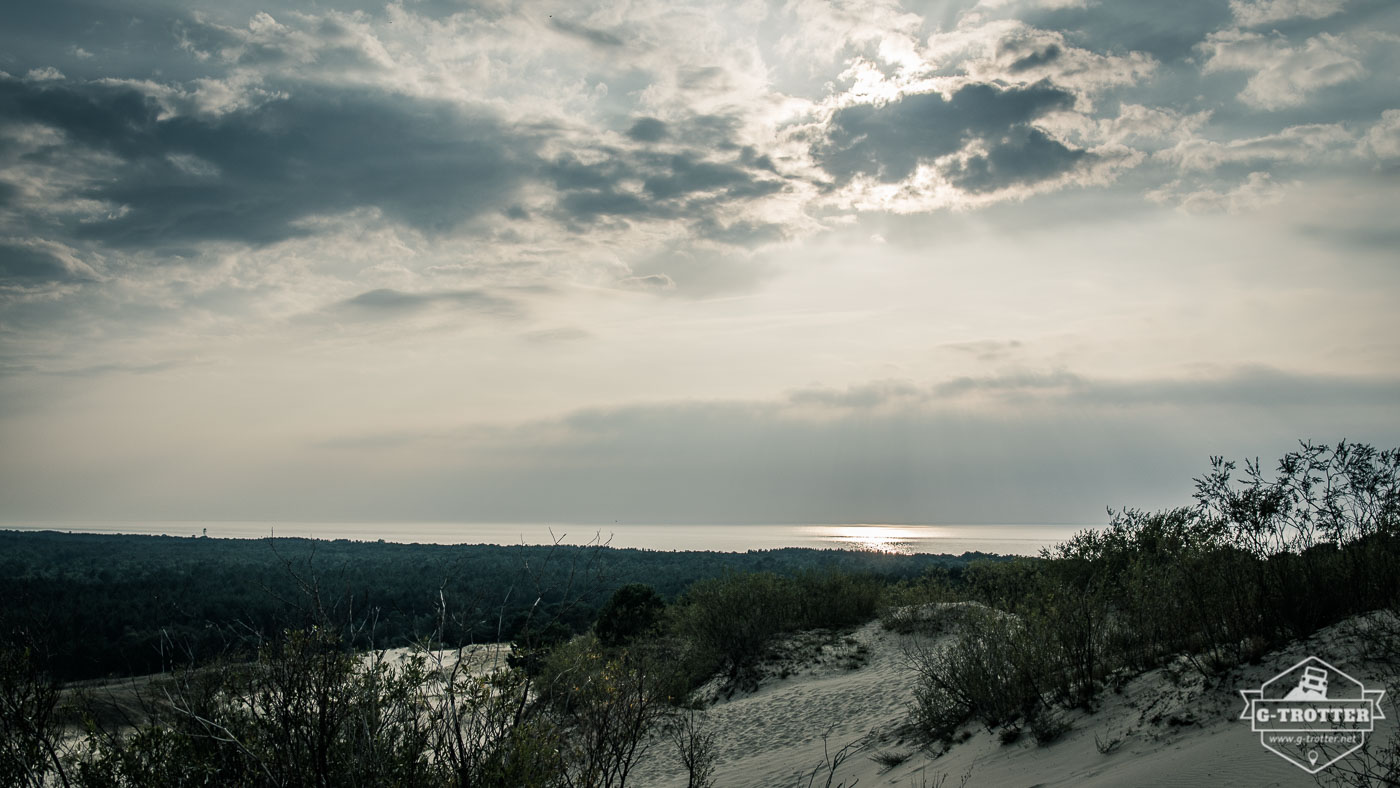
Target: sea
[(947, 539)]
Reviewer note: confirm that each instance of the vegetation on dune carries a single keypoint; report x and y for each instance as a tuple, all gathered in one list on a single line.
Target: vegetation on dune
[(727, 621), (305, 706), (1258, 561), (602, 670)]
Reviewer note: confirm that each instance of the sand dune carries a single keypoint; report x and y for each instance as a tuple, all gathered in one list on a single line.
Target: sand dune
[(1172, 726)]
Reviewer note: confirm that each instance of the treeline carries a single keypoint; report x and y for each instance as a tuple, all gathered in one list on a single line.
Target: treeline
[(104, 605), (1257, 561)]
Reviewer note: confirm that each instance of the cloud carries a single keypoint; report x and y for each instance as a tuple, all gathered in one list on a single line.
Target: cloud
[(732, 200), (590, 204), (1382, 140), (389, 302), (682, 175), (1138, 125), (699, 271), (987, 349), (550, 336), (1024, 155), (1053, 447), (1253, 385), (43, 74), (1282, 75), (593, 36), (648, 282), (1015, 52), (739, 232), (1257, 190), (97, 370), (648, 130), (1295, 144), (644, 184), (1252, 13), (888, 141), (37, 261), (1014, 384), (428, 165), (869, 395)]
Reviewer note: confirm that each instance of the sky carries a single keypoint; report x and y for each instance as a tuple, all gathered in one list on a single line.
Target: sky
[(972, 261)]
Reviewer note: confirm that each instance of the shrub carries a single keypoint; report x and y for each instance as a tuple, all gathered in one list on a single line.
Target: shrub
[(695, 748), (632, 610), (1048, 725), (989, 672), (30, 731), (728, 620), (1253, 564)]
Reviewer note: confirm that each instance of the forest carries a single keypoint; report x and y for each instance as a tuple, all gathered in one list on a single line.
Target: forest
[(97, 605)]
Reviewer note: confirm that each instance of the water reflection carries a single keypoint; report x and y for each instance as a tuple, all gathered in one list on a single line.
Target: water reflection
[(875, 538)]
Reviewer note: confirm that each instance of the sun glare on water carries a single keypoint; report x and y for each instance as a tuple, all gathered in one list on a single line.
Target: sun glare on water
[(875, 538)]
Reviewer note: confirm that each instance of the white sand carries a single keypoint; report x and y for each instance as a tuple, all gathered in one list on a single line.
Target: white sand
[(477, 660), (1176, 729)]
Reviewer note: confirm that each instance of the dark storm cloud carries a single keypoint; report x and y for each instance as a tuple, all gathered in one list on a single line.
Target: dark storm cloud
[(249, 175), (889, 141)]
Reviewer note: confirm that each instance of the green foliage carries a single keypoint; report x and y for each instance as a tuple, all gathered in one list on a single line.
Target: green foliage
[(1251, 566), (992, 673), (727, 621), (307, 713), (632, 610)]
